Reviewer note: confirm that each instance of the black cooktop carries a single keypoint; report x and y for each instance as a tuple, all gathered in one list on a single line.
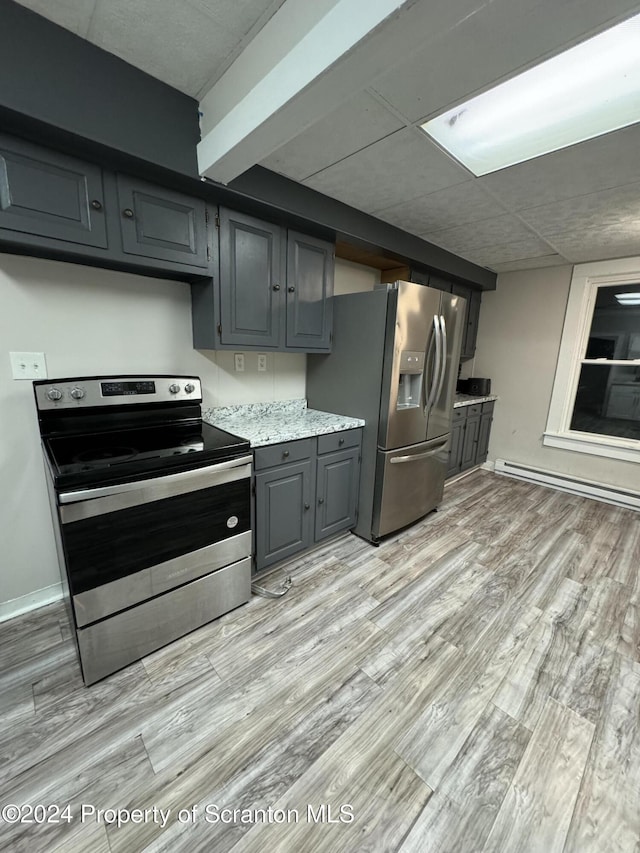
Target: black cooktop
[(124, 455)]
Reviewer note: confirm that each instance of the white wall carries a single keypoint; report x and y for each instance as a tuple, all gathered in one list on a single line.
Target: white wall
[(91, 321), (353, 278), (518, 343)]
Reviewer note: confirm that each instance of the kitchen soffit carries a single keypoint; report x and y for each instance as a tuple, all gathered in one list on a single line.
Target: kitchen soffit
[(367, 152)]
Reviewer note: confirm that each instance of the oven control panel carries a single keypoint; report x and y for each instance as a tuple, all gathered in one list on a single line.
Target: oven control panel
[(97, 391)]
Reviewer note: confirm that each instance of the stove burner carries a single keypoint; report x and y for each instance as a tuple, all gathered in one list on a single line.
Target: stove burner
[(105, 454)]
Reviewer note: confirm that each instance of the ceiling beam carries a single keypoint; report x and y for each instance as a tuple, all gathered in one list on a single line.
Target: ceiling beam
[(286, 79)]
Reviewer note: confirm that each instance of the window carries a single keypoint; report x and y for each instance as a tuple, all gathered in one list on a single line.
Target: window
[(595, 405)]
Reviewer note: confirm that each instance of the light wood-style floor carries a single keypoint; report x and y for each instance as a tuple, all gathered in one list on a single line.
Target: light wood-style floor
[(471, 685)]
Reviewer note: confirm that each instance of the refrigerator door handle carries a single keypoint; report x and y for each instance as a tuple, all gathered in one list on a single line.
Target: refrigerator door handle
[(443, 370), (398, 459), (436, 373)]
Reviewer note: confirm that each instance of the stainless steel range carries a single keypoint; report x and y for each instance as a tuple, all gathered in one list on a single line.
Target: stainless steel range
[(151, 509)]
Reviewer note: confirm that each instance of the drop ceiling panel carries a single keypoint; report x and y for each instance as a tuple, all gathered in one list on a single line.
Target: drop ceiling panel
[(401, 166), (530, 263), (172, 41), (444, 209), (73, 15), (527, 249), (353, 126), (497, 230), (598, 243), (492, 41), (597, 164), (619, 206)]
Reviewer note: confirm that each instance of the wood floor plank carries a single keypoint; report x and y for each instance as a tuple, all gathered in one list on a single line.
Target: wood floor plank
[(431, 744), (459, 817), (629, 644), (536, 812), (607, 813)]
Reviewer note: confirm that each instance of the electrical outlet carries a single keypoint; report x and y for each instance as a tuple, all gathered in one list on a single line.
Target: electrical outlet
[(262, 362), (238, 362), (28, 365)]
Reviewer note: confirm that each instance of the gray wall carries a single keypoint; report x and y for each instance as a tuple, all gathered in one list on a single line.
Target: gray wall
[(518, 343)]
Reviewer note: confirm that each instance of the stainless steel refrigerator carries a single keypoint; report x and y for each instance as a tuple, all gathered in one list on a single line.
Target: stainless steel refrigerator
[(394, 363)]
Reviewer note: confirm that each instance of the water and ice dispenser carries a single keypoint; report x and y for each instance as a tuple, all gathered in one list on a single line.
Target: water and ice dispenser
[(410, 379)]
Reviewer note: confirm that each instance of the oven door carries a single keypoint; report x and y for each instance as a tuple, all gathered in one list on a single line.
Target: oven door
[(129, 542)]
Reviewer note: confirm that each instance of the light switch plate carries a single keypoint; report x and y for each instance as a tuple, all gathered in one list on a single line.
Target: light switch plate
[(28, 365), (238, 362)]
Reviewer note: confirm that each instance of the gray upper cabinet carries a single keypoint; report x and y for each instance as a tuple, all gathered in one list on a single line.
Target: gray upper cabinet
[(47, 194), (159, 223), (273, 290), (310, 265), (472, 312), (251, 280)]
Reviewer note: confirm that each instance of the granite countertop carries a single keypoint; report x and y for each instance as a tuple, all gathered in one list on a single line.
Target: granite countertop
[(271, 423), (470, 399)]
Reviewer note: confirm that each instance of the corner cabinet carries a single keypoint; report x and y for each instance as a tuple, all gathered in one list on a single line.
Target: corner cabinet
[(305, 492), (273, 289), (470, 432)]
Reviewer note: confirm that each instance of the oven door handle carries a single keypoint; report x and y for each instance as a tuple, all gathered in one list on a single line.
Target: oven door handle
[(86, 503)]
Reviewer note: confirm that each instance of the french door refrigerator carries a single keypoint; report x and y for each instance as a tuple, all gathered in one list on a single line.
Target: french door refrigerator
[(394, 363)]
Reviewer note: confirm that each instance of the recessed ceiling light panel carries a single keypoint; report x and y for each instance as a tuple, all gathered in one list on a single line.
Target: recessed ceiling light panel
[(590, 89)]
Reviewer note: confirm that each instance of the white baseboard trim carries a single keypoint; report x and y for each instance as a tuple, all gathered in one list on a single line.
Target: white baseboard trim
[(626, 498), (31, 601), (488, 466)]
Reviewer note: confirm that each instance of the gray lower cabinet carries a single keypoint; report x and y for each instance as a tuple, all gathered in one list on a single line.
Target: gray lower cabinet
[(305, 491), (159, 223), (283, 517), (47, 194), (470, 432)]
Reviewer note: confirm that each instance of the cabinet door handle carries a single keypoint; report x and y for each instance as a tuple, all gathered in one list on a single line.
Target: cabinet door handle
[(96, 205), (320, 500), (341, 441), (285, 453), (127, 213), (276, 287), (292, 290), (306, 506)]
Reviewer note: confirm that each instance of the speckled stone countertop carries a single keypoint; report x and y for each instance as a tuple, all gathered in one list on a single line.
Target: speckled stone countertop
[(271, 423), (470, 399)]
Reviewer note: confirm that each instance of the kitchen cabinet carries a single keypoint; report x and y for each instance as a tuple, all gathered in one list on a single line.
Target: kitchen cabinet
[(63, 207), (470, 433), (47, 194), (471, 316), (159, 223), (305, 491), (273, 290)]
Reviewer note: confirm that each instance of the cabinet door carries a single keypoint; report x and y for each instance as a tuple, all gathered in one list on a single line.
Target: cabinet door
[(251, 268), (482, 448), (469, 443), (455, 450), (310, 268), (162, 224), (50, 195), (337, 477), (420, 277), (473, 316), (283, 512)]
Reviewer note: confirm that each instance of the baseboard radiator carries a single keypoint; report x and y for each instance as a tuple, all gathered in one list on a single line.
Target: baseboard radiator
[(574, 485)]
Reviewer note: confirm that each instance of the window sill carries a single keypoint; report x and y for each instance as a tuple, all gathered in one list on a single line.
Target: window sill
[(627, 450)]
